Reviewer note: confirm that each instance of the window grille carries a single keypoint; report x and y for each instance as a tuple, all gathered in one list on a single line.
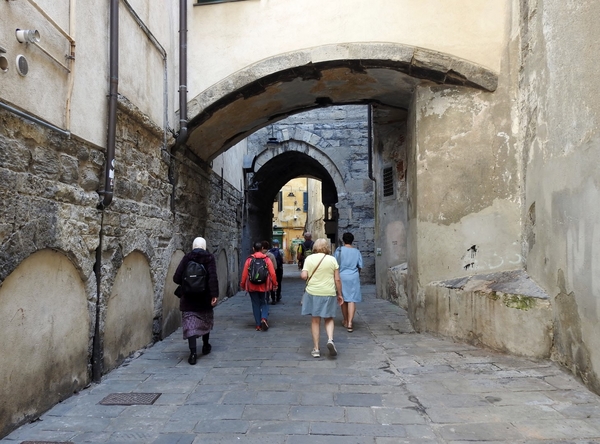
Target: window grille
[(388, 181)]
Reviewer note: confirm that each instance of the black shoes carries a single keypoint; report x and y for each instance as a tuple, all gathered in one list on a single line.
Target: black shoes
[(206, 348), (263, 324), (192, 359)]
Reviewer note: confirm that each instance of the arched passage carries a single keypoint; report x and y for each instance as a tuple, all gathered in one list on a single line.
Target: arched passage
[(453, 136), (276, 87), (273, 168)]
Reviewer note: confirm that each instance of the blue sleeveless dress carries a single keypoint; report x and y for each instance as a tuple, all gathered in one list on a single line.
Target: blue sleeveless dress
[(350, 260)]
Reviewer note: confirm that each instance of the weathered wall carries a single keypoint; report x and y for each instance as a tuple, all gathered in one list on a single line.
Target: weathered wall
[(339, 135), (45, 331), (469, 30), (171, 316), (129, 311), (49, 192), (466, 185), (560, 126), (73, 96), (391, 220)]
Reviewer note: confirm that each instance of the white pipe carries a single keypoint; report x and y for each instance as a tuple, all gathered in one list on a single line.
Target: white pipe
[(47, 17), (71, 58), (51, 56)]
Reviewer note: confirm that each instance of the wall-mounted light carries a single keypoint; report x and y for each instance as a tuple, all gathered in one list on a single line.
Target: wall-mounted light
[(291, 194), (27, 35), (272, 140)]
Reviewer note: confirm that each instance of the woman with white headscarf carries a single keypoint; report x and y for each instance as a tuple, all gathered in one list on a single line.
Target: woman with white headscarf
[(197, 317)]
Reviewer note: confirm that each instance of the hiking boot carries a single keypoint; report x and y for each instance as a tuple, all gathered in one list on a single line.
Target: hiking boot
[(263, 325), (331, 347)]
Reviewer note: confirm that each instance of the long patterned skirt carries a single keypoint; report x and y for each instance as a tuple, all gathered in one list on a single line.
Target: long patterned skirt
[(197, 323)]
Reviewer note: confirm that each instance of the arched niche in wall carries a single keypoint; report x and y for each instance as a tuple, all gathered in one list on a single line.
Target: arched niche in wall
[(171, 316), (129, 311), (223, 273), (45, 337)]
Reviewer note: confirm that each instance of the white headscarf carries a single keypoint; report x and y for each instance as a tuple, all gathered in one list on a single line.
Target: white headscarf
[(199, 242)]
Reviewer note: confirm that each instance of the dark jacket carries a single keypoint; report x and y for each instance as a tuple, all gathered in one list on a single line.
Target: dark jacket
[(198, 302)]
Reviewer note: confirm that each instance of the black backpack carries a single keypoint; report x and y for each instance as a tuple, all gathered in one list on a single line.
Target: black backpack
[(278, 256), (195, 278), (257, 270)]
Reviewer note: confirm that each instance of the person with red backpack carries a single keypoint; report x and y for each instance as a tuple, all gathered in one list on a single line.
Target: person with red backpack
[(258, 279)]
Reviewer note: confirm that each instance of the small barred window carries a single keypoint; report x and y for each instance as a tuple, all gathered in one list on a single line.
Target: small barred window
[(388, 181)]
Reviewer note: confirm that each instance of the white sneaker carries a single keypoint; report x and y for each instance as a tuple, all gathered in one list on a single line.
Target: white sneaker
[(331, 347), (315, 353)]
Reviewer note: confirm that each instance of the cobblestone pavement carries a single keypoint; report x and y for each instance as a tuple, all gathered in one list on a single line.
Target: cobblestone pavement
[(388, 385)]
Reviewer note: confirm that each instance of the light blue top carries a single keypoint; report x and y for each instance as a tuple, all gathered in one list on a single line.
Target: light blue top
[(350, 261)]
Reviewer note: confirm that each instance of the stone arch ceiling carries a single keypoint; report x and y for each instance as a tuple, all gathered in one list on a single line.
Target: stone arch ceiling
[(275, 173), (286, 84)]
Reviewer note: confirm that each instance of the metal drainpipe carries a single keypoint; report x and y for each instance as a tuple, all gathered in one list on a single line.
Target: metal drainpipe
[(108, 178), (182, 136), (109, 173), (34, 119), (370, 140)]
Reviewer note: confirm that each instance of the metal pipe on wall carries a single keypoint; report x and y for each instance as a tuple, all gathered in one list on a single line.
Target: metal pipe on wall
[(34, 119), (109, 173), (182, 136), (108, 178)]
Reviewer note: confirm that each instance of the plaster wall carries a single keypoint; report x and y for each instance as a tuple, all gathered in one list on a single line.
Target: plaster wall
[(129, 311), (171, 317), (467, 185), (45, 295), (561, 121), (391, 212), (229, 164), (73, 96), (471, 30), (315, 215)]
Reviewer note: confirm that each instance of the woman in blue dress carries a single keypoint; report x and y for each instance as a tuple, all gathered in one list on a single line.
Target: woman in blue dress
[(351, 262)]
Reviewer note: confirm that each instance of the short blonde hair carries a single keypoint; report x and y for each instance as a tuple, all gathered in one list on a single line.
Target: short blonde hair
[(321, 245)]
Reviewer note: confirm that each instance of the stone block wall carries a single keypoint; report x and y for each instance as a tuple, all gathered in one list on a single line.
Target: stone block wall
[(340, 134), (49, 189)]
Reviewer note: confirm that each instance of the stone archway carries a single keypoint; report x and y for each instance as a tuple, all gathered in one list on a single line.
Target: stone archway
[(273, 168), (276, 87)]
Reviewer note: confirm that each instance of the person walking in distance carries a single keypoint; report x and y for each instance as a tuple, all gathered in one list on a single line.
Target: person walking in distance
[(351, 262), (305, 249), (323, 293), (258, 278), (196, 305), (275, 251)]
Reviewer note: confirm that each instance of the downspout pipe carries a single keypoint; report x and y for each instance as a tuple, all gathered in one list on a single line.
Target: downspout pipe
[(108, 178), (183, 135), (109, 174), (370, 140)]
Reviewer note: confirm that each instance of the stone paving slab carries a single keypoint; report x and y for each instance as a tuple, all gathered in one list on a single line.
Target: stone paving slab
[(388, 385)]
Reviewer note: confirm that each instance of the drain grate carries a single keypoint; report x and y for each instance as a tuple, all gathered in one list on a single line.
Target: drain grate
[(47, 442), (130, 399)]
